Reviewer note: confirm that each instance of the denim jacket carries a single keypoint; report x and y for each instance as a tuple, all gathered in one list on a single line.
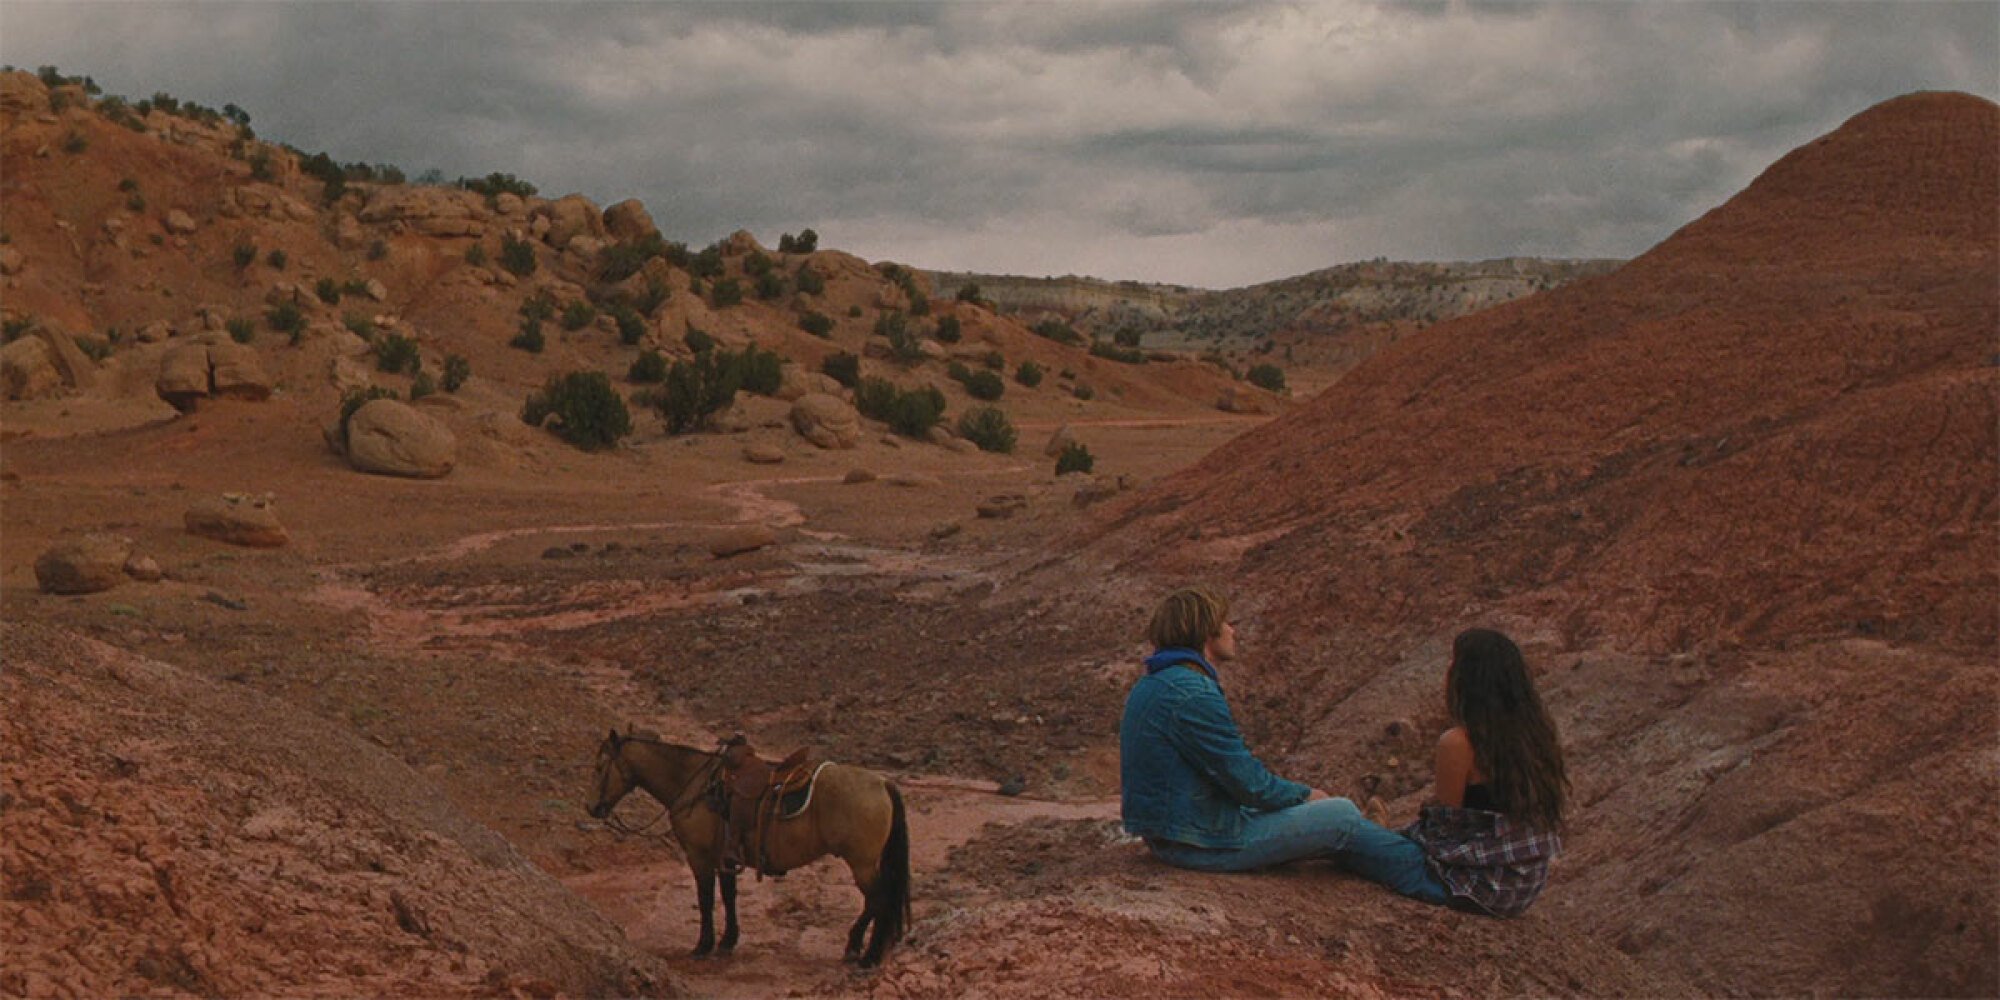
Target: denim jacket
[(1185, 772)]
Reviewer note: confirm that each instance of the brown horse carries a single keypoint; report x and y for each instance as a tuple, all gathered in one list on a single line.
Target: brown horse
[(854, 814)]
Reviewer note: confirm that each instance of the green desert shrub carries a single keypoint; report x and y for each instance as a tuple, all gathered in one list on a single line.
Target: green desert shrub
[(770, 285), (1083, 391), (589, 413), (816, 323), (1112, 352), (277, 259), (241, 330), (475, 255), (397, 353), (285, 317), (843, 368), (909, 412), (809, 281), (1074, 458), (1058, 331), (988, 428), (456, 371), (631, 325), (421, 386), (531, 338), (1029, 374), (244, 255), (757, 371), (328, 291), (695, 391), (651, 366), (578, 315), (517, 256), (698, 341), (725, 292), (1266, 377), (949, 331), (985, 384)]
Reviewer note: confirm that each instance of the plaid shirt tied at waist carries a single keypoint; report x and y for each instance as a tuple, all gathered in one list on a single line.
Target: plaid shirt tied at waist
[(1484, 857)]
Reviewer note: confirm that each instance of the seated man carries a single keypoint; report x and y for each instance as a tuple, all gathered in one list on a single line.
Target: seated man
[(1199, 797)]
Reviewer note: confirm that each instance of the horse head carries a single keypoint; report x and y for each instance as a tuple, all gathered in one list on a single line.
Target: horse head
[(613, 778)]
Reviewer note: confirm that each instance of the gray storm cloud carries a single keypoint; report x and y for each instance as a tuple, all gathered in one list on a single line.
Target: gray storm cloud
[(1205, 144)]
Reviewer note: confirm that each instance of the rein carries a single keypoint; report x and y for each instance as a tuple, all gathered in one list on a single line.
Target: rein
[(680, 799)]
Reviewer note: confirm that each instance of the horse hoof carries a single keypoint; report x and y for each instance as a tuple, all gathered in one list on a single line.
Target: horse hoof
[(703, 950), (850, 957)]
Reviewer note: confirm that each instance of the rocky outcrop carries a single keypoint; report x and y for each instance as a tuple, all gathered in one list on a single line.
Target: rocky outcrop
[(432, 211), (628, 221), (763, 453), (84, 565), (827, 421), (796, 382), (179, 223), (388, 438), (1062, 438), (183, 378), (237, 519)]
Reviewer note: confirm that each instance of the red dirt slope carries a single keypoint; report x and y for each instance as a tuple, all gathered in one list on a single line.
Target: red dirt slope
[(1738, 499)]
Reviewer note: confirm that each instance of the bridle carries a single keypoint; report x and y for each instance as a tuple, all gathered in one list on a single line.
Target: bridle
[(703, 776)]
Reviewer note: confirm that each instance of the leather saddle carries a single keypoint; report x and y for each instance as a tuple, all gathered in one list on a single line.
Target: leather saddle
[(757, 793)]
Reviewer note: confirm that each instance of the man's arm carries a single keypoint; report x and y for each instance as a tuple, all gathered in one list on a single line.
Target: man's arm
[(1207, 737)]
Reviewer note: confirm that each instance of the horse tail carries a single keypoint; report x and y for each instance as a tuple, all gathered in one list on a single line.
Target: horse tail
[(892, 879)]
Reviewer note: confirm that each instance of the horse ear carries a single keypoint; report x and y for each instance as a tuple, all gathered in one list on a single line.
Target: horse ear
[(613, 738)]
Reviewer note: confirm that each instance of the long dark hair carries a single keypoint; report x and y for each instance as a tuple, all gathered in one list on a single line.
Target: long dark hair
[(1514, 742)]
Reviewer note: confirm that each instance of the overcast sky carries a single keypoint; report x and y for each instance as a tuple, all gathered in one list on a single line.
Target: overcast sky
[(1203, 143)]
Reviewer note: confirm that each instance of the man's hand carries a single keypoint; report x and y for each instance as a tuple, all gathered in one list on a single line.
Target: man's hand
[(1317, 795)]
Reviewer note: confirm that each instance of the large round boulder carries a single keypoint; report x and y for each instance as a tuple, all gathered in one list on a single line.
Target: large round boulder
[(391, 439), (238, 520), (83, 565), (826, 421), (235, 372), (183, 379), (628, 221)]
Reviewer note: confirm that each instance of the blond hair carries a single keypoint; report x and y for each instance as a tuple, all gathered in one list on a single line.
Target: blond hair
[(1188, 617)]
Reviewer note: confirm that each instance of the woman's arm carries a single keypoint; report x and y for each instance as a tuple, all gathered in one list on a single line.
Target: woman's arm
[(1454, 767)]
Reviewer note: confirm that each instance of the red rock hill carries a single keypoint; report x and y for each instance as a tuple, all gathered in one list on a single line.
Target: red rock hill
[(1738, 500)]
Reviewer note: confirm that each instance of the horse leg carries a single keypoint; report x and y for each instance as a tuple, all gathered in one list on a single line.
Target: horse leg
[(728, 912), (854, 934), (704, 880)]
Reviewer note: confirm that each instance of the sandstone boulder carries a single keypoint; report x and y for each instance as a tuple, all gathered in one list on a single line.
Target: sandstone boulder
[(915, 481), (572, 216), (391, 439), (740, 539), (179, 223), (28, 371), (508, 203), (377, 291), (11, 261), (795, 381), (235, 372), (183, 379), (1003, 505), (741, 242), (628, 221), (760, 453), (83, 565), (857, 476), (421, 206), (238, 520), (144, 569), (826, 420), (75, 367), (1243, 399)]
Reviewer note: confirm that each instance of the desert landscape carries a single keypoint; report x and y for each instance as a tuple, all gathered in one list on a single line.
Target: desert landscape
[(341, 516)]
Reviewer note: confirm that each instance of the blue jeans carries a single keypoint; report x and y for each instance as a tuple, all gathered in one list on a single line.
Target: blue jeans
[(1332, 829)]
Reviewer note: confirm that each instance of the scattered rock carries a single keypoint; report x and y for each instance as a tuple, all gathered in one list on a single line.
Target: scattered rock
[(75, 367), (28, 371), (572, 216), (179, 223), (144, 569), (740, 539), (237, 519), (1014, 785), (225, 602), (1002, 506), (1096, 488), (389, 438), (915, 481), (761, 453), (826, 420), (961, 446), (795, 382), (11, 261), (946, 530), (1243, 399), (557, 552), (376, 290), (857, 476), (84, 565)]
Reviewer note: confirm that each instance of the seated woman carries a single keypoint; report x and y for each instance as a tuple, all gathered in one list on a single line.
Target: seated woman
[(1202, 800)]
